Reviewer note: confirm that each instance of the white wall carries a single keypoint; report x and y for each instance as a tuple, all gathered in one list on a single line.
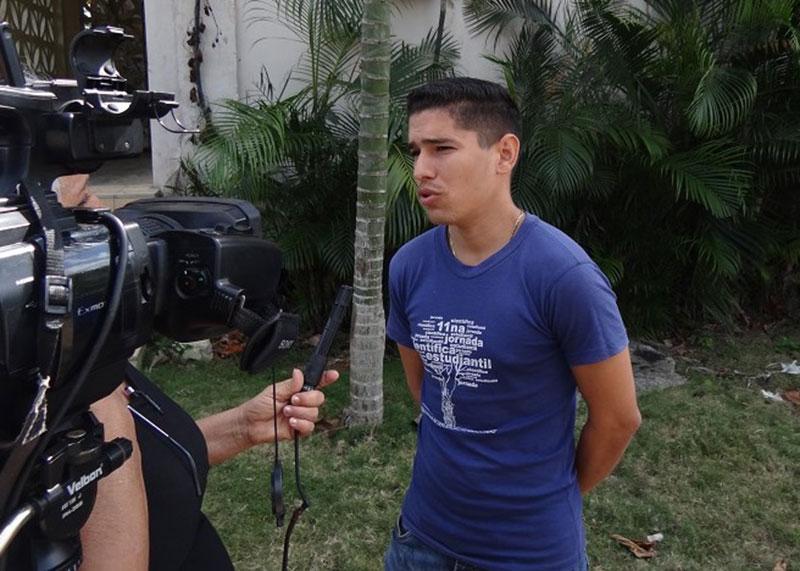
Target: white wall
[(167, 25), (242, 41)]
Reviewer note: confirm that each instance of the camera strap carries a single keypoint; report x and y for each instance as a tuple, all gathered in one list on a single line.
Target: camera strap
[(54, 304)]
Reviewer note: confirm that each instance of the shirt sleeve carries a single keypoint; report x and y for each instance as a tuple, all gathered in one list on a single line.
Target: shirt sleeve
[(398, 328), (583, 313)]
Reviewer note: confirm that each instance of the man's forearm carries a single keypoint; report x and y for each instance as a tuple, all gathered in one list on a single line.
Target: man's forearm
[(225, 434), (599, 451)]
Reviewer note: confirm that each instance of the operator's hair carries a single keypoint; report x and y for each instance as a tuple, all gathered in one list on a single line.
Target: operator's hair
[(474, 104)]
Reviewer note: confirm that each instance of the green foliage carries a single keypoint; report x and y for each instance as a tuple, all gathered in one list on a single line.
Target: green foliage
[(296, 157), (665, 138)]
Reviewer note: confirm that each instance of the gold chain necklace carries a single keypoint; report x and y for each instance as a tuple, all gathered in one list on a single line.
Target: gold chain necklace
[(517, 224)]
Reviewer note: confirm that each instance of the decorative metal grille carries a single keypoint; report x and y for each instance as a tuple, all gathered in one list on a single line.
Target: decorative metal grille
[(38, 30)]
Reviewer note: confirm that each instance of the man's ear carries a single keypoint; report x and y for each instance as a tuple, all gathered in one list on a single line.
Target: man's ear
[(507, 153)]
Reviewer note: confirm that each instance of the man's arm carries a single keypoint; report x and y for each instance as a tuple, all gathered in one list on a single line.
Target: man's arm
[(117, 532), (414, 370), (614, 417)]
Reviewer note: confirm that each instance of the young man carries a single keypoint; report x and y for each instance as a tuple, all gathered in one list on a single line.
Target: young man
[(499, 317)]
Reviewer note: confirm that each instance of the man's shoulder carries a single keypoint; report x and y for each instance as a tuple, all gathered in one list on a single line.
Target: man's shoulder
[(552, 248), (549, 254)]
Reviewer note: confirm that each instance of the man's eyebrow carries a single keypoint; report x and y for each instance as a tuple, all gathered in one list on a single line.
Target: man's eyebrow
[(430, 141)]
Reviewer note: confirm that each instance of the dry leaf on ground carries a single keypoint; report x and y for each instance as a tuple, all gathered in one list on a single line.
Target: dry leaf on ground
[(232, 343), (792, 395), (781, 565), (641, 549)]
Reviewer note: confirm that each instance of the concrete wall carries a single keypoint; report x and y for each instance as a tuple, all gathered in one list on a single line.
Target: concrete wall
[(244, 44), (167, 25)]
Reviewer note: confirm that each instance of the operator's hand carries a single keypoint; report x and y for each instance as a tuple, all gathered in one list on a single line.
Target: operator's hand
[(73, 190), (297, 411)]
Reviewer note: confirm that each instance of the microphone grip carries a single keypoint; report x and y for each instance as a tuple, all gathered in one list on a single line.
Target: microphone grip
[(312, 374)]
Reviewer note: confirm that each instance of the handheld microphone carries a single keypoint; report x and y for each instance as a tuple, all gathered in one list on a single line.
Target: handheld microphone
[(312, 374)]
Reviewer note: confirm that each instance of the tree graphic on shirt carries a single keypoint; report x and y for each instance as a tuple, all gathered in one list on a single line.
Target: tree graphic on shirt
[(448, 349)]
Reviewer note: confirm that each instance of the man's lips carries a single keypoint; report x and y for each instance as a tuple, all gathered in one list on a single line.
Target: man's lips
[(427, 197)]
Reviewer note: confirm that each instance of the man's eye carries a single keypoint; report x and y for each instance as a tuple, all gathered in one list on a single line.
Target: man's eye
[(441, 148)]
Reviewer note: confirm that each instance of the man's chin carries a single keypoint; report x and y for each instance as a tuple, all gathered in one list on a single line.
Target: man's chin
[(437, 218)]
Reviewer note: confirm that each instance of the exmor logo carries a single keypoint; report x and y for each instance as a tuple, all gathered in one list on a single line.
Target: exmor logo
[(91, 309), (85, 480)]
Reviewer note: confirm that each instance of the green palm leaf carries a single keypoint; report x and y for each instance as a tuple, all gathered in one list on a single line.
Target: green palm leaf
[(405, 217), (337, 252), (413, 65), (717, 254), (251, 137), (633, 137), (715, 175), (495, 17), (563, 156), (723, 99)]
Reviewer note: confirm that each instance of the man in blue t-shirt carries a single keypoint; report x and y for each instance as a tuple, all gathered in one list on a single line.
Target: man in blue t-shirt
[(499, 317)]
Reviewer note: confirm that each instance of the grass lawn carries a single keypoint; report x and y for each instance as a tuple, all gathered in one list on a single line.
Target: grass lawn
[(715, 468)]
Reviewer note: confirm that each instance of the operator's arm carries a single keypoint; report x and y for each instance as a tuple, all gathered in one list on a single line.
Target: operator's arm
[(235, 430), (117, 534), (414, 370), (614, 417)]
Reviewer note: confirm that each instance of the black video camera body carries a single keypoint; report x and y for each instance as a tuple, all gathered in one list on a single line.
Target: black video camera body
[(81, 289)]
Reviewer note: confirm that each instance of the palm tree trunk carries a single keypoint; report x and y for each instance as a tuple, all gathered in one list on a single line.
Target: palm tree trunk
[(367, 340)]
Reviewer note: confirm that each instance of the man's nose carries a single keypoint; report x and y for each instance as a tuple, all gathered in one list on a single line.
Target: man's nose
[(423, 168)]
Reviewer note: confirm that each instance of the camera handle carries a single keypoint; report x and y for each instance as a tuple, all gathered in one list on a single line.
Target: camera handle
[(181, 130)]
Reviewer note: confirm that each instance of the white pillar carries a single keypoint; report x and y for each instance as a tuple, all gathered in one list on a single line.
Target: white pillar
[(168, 24)]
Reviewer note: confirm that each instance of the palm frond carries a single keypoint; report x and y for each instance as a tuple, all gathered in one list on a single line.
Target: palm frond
[(722, 100), (715, 174), (496, 17), (632, 137), (717, 255), (413, 65), (337, 251), (405, 217), (563, 157)]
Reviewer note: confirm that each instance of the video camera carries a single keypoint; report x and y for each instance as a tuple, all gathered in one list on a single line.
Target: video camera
[(81, 289)]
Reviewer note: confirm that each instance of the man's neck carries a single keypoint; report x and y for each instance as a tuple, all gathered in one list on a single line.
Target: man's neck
[(476, 240)]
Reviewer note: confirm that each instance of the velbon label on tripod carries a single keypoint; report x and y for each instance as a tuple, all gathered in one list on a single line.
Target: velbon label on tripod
[(84, 481)]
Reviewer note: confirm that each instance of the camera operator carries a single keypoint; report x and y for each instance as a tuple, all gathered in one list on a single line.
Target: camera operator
[(148, 512)]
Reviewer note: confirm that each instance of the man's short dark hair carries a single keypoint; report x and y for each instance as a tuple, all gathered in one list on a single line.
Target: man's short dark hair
[(474, 104)]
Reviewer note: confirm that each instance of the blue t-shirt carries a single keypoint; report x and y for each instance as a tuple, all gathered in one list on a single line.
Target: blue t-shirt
[(494, 480)]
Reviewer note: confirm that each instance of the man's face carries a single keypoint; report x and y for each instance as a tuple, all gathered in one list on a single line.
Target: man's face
[(456, 177)]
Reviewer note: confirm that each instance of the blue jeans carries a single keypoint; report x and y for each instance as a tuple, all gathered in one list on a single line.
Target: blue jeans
[(407, 553)]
